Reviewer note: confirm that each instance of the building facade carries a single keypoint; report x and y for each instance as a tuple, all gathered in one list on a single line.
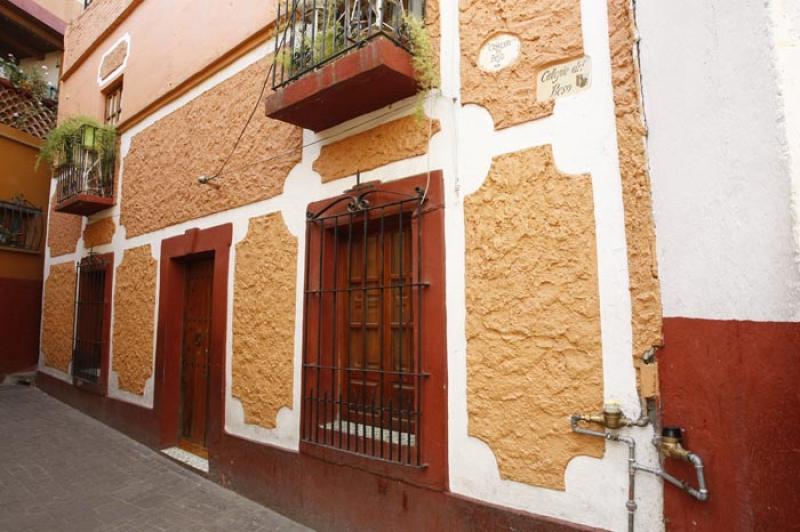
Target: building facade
[(31, 44), (463, 308)]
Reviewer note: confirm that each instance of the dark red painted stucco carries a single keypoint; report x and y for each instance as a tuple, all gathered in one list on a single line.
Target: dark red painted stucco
[(20, 314), (734, 386)]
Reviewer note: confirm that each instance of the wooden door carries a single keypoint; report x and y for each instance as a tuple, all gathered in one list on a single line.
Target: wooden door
[(196, 343), (379, 342)]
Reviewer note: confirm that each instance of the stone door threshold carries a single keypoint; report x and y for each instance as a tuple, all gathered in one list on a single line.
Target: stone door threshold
[(187, 458)]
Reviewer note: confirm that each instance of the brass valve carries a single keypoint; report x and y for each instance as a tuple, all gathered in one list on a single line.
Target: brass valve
[(671, 444)]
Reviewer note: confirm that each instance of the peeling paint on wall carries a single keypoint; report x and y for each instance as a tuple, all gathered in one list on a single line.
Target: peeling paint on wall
[(550, 32), (99, 233), (263, 321), (160, 187), (533, 316), (394, 141), (57, 316), (134, 318)]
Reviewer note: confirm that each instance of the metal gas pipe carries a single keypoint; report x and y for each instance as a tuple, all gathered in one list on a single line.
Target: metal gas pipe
[(669, 445)]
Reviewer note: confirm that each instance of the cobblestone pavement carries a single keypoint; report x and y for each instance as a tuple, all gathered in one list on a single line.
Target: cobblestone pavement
[(61, 470)]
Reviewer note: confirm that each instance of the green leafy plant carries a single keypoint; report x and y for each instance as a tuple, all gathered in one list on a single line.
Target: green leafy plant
[(31, 80), (58, 146), (423, 60)]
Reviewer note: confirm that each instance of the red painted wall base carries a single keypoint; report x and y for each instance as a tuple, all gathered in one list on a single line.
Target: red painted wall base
[(734, 386), (20, 314)]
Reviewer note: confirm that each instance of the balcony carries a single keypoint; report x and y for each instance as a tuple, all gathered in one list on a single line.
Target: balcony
[(21, 226), (85, 180), (338, 59)]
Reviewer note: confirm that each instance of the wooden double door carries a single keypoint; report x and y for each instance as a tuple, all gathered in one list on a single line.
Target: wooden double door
[(199, 276)]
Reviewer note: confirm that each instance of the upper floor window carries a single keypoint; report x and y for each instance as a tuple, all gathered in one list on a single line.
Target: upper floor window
[(113, 108), (21, 225)]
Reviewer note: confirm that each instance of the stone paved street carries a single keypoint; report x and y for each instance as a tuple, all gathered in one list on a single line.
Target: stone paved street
[(63, 471)]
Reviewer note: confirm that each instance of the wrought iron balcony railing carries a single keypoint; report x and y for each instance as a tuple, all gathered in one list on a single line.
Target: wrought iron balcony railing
[(21, 225), (85, 179), (311, 33)]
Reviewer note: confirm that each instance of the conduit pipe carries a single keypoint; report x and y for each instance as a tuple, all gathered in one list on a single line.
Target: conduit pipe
[(669, 445)]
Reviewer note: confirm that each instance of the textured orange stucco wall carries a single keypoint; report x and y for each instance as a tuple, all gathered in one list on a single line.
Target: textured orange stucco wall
[(159, 185), (57, 316), (63, 231), (99, 233), (134, 318), (533, 318), (549, 31), (83, 32), (394, 141), (114, 59), (636, 191), (263, 320)]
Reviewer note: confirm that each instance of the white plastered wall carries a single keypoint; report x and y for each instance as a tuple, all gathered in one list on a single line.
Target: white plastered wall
[(720, 92), (583, 135)]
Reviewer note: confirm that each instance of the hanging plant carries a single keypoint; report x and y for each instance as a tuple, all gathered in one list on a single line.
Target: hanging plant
[(423, 59), (58, 146)]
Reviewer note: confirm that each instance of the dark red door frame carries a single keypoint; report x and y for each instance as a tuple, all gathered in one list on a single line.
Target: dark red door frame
[(101, 386), (215, 242)]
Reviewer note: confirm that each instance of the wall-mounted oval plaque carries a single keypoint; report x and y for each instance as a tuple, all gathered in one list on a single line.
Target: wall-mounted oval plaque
[(564, 79), (499, 52)]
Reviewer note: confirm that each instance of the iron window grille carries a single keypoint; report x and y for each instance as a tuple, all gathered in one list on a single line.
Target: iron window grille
[(311, 33), (362, 349), (21, 225), (90, 319), (88, 169)]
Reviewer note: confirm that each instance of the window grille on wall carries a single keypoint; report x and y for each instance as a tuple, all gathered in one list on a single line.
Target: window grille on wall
[(362, 330), (21, 225), (90, 325)]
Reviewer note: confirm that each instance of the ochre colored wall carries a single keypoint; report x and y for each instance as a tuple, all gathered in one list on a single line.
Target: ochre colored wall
[(99, 233), (57, 316), (159, 186), (394, 141), (63, 231), (533, 316), (550, 32), (264, 319), (18, 153), (134, 318), (215, 28), (636, 192), (733, 387)]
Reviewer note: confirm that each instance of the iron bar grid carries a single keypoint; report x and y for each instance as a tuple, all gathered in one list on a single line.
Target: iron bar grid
[(362, 351), (86, 170), (90, 304), (311, 33), (21, 225)]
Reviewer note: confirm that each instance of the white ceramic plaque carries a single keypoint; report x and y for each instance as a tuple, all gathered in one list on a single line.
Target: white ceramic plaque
[(564, 79), (499, 52)]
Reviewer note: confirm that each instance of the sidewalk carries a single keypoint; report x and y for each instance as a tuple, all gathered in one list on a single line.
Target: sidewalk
[(62, 470)]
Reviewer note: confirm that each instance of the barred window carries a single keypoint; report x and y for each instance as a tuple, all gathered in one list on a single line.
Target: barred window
[(363, 358), (91, 327)]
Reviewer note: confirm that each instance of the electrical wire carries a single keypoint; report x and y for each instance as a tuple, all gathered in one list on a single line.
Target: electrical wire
[(325, 139)]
